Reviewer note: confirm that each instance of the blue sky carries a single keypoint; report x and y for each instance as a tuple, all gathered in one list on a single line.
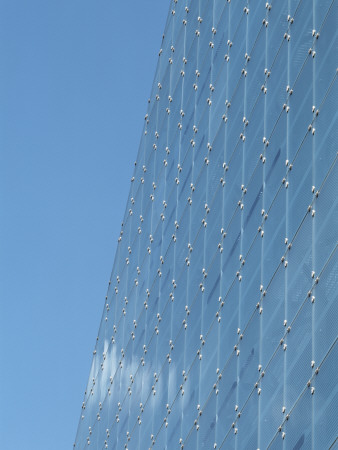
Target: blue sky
[(74, 82)]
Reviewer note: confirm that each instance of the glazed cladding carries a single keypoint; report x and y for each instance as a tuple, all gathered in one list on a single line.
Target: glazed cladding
[(220, 323)]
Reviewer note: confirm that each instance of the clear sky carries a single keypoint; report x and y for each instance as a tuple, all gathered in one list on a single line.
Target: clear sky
[(75, 76)]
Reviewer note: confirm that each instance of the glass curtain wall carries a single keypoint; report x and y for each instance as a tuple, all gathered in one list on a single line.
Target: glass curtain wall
[(219, 328)]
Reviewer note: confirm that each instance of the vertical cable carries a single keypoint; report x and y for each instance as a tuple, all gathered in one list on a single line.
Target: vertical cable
[(223, 221), (313, 222), (285, 356), (261, 318), (187, 299)]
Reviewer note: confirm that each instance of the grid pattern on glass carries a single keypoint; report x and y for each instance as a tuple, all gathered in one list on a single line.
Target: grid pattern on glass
[(219, 327)]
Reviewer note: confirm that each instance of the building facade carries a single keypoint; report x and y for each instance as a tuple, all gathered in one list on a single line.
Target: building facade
[(219, 327)]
